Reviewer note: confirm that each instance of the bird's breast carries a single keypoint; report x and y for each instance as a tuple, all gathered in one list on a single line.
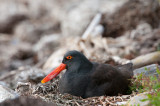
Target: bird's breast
[(74, 83)]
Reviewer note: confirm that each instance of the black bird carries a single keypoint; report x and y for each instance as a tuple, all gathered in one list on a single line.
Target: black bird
[(87, 79)]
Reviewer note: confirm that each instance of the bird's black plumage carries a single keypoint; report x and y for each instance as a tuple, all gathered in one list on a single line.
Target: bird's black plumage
[(87, 79)]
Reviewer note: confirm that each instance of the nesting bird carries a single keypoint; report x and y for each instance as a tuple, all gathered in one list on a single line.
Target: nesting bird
[(87, 79)]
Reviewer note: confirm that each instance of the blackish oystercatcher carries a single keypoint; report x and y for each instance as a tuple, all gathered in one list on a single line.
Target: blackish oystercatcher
[(87, 79)]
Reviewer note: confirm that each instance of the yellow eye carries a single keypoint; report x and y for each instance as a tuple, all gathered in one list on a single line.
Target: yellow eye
[(69, 57)]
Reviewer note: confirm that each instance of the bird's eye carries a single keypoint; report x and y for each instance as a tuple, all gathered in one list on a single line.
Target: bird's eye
[(69, 57)]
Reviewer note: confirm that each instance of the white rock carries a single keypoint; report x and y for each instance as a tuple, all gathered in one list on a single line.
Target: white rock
[(6, 93), (31, 74)]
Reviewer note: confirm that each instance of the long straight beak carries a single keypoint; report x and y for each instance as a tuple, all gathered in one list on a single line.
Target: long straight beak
[(54, 73)]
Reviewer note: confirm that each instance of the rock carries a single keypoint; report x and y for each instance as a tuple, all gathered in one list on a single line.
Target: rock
[(26, 101), (136, 100), (148, 70), (24, 75), (132, 13), (30, 75), (6, 93)]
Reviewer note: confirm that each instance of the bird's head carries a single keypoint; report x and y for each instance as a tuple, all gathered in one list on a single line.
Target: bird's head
[(72, 60)]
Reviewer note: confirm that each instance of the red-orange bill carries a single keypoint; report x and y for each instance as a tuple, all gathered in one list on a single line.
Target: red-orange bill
[(54, 73)]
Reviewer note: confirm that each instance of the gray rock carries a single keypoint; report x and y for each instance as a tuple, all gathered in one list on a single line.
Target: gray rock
[(23, 74), (136, 100), (31, 74), (6, 93), (147, 70)]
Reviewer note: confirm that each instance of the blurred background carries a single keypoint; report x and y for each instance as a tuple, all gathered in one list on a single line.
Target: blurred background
[(32, 31)]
